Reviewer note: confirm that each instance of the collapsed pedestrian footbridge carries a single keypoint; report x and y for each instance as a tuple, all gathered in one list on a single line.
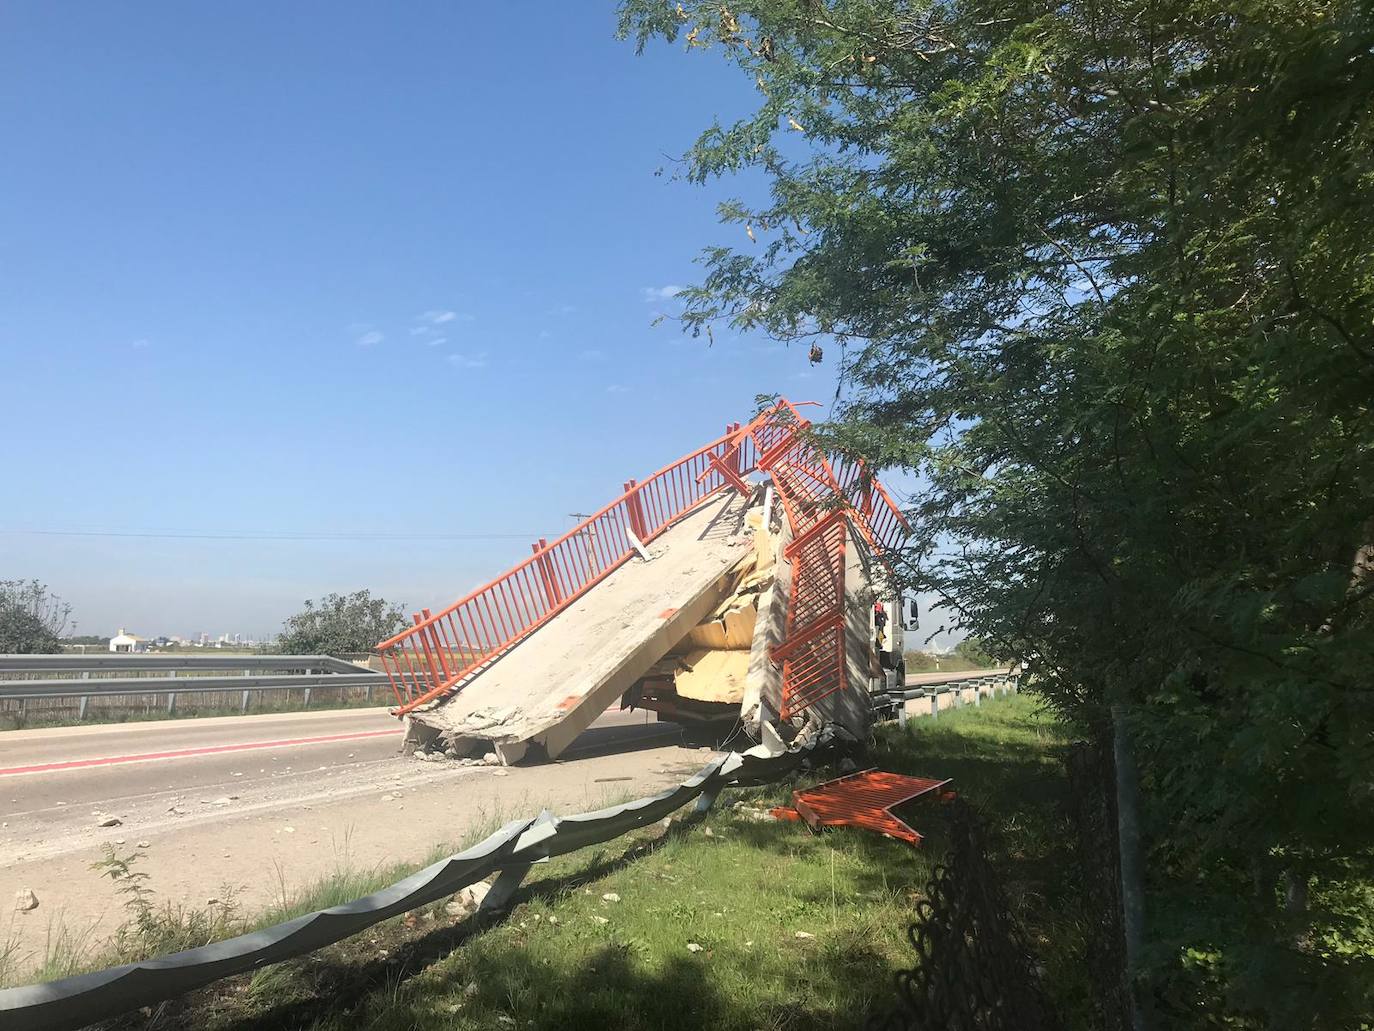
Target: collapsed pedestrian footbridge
[(739, 581)]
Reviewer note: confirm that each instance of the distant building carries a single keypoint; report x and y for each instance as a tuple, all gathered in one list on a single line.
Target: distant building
[(127, 642)]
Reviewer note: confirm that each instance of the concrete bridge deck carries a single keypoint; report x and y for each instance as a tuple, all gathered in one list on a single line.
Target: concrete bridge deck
[(550, 686)]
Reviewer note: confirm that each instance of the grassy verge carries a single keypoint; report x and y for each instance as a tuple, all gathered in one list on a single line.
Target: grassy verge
[(734, 921)]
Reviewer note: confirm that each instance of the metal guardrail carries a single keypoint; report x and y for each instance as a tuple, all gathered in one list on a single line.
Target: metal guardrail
[(332, 673), (1000, 682), (112, 661)]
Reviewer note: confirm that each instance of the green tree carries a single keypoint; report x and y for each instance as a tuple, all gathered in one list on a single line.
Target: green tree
[(1102, 273), (32, 618), (972, 649), (340, 623)]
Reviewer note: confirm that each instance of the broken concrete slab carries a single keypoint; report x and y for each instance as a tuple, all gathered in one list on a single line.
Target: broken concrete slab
[(551, 686)]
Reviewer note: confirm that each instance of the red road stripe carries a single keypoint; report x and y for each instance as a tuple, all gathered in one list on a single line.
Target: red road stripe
[(77, 764)]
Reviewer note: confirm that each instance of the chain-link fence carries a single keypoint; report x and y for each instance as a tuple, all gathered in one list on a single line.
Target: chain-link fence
[(973, 969), (1092, 802)]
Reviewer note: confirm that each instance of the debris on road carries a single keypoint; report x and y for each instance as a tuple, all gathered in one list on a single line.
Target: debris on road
[(25, 900)]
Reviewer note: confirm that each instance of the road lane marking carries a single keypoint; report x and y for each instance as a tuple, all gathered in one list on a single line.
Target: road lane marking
[(182, 753)]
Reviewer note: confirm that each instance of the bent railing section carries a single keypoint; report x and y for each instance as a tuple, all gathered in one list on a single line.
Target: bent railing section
[(432, 658)]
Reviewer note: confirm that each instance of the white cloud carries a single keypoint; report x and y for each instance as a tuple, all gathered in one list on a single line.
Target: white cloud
[(592, 354), (544, 334), (660, 293), (468, 361), (369, 338), (617, 388), (141, 343), (437, 316), (436, 341)]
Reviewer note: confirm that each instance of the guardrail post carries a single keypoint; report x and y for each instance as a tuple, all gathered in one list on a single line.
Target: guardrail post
[(171, 703), (935, 703), (705, 800), (81, 706), (244, 707), (977, 692), (503, 888), (306, 704)]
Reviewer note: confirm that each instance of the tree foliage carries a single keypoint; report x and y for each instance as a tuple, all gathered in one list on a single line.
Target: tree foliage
[(1102, 274), (340, 623), (974, 650), (32, 618)]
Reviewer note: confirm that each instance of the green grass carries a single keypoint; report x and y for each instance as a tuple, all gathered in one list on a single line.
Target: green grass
[(925, 662), (739, 887)]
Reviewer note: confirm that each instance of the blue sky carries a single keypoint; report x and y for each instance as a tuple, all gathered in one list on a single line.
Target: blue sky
[(341, 269)]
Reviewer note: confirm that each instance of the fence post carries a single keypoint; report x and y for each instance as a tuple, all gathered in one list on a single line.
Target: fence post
[(733, 456), (634, 506), (550, 583)]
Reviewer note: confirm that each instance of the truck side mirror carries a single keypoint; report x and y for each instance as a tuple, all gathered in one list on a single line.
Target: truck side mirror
[(913, 611)]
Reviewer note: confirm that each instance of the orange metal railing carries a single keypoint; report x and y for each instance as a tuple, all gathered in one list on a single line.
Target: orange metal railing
[(433, 657), (822, 497), (812, 651)]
